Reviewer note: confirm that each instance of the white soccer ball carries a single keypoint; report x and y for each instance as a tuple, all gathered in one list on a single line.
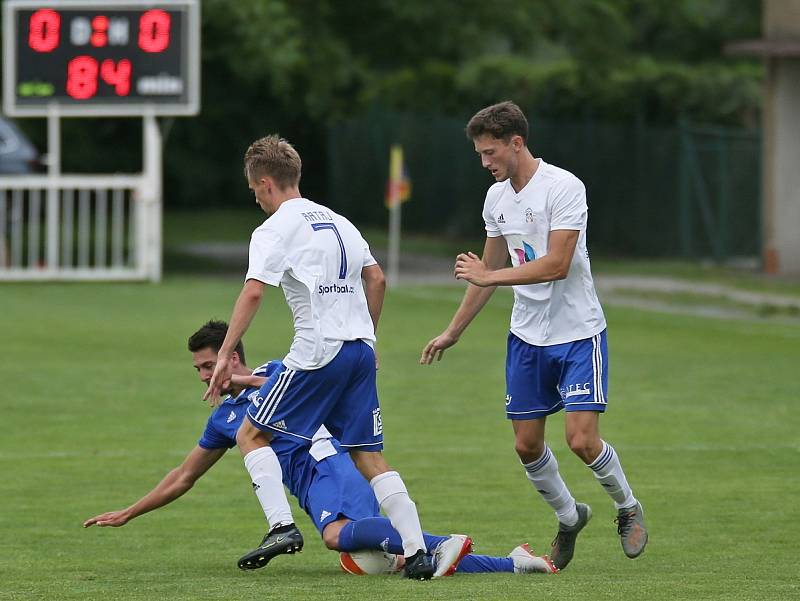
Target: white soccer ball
[(370, 562)]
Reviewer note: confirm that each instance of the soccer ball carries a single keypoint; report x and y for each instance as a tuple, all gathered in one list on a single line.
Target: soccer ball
[(363, 563)]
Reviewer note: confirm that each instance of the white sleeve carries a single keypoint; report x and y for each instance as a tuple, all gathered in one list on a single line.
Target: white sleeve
[(267, 261), (492, 229), (568, 210), (368, 258)]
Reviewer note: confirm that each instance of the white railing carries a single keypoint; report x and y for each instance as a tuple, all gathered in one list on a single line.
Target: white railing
[(78, 227)]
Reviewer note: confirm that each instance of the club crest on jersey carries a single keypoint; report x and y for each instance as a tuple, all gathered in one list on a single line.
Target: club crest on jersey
[(525, 254), (528, 215)]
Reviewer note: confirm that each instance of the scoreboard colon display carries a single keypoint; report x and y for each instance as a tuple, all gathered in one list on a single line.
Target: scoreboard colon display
[(112, 58)]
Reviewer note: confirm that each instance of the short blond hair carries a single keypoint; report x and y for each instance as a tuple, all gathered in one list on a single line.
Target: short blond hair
[(274, 157)]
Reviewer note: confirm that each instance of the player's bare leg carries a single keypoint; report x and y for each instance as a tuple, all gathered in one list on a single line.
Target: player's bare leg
[(583, 437), (541, 468), (390, 490), (265, 472)]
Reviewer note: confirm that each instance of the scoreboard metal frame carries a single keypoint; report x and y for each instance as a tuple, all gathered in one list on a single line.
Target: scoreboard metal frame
[(62, 103)]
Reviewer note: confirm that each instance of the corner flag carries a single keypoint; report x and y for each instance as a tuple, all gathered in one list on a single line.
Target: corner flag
[(398, 188)]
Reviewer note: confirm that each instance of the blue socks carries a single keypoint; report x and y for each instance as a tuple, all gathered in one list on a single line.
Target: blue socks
[(475, 564), (378, 533)]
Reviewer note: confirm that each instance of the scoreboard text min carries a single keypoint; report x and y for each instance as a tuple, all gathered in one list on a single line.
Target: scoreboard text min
[(111, 58)]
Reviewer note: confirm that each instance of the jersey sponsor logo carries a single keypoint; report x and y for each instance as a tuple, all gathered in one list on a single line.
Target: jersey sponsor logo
[(377, 422), (280, 424), (501, 219), (508, 400), (325, 513), (529, 215), (525, 254), (576, 390), (231, 417), (335, 289)]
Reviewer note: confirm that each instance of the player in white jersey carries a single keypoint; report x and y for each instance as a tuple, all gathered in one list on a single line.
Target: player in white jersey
[(334, 288), (557, 355)]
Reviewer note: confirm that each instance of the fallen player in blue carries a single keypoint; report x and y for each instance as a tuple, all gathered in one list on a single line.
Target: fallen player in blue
[(320, 475)]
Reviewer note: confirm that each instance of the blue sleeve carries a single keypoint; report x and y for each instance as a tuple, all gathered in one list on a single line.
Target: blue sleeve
[(212, 438), (266, 370)]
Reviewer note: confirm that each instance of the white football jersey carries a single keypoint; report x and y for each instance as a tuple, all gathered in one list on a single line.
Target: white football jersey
[(554, 199), (316, 257)]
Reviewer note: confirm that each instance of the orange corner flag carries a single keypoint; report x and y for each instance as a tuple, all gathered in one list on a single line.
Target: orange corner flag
[(398, 188)]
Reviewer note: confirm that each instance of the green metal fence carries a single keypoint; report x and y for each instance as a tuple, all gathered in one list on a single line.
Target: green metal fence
[(689, 190)]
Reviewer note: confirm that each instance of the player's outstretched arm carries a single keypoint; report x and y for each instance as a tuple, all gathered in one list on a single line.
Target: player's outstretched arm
[(172, 486), (243, 312), (475, 297), (250, 381)]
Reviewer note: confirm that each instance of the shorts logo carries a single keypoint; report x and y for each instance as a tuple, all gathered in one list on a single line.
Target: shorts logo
[(324, 515), (231, 417), (576, 390), (377, 423), (529, 215), (280, 424), (525, 254), (508, 400)]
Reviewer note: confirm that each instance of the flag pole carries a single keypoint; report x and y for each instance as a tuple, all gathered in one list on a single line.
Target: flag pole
[(395, 201), (395, 213)]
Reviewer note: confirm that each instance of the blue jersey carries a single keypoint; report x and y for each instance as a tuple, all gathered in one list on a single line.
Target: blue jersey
[(298, 458)]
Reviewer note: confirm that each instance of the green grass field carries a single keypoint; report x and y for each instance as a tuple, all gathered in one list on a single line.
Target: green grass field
[(100, 401)]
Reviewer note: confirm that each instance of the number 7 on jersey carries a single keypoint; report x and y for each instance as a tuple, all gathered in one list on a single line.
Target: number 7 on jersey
[(332, 226)]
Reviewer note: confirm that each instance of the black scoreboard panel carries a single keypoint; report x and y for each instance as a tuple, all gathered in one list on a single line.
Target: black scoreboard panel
[(105, 58)]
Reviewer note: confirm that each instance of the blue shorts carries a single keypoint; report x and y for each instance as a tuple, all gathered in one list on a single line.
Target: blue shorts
[(541, 380), (339, 491), (342, 395)]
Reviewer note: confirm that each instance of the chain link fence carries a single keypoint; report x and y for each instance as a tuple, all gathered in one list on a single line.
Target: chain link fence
[(681, 191)]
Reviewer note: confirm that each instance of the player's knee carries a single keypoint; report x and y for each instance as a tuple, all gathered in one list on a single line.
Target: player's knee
[(331, 539), (330, 534), (528, 450), (248, 437), (584, 445)]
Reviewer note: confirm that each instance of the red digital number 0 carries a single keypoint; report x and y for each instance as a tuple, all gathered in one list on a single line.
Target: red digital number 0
[(99, 31), (82, 77), (154, 31), (118, 75), (44, 30)]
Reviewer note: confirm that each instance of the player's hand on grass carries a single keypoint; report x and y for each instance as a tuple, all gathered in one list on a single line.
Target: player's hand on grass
[(469, 267), (436, 347), (220, 380), (110, 518)]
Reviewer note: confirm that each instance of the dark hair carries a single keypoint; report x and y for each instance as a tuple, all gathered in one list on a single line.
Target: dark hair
[(501, 121), (212, 335)]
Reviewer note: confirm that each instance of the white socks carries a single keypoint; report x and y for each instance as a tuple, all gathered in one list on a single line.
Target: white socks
[(609, 474), (265, 472), (393, 498), (543, 474)]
